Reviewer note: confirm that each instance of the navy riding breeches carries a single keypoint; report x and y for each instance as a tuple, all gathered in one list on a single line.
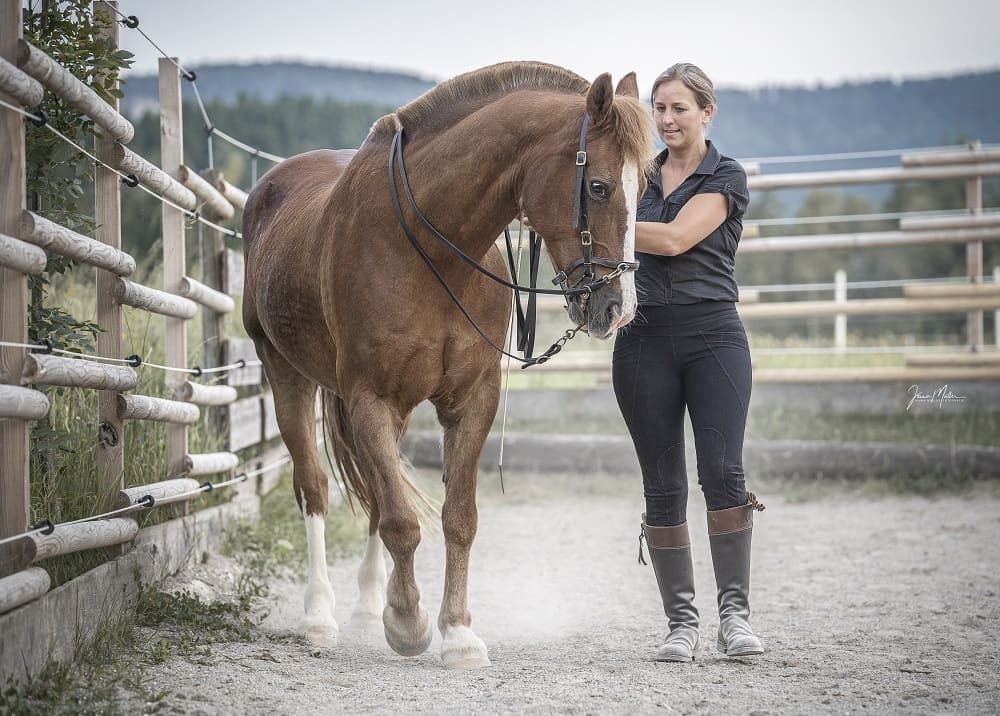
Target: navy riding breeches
[(693, 356)]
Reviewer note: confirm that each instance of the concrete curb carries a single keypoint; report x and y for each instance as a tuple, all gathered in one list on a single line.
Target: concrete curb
[(783, 458)]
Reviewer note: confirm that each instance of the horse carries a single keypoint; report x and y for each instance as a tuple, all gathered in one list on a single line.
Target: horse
[(337, 300)]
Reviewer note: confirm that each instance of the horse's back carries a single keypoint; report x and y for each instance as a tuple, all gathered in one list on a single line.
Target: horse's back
[(290, 186)]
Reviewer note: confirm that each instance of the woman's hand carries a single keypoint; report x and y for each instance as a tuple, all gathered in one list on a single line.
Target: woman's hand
[(699, 217)]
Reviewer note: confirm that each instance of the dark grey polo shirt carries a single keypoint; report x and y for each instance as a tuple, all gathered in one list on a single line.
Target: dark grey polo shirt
[(706, 271)]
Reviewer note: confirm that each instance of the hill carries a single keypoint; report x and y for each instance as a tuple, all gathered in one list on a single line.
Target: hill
[(762, 122)]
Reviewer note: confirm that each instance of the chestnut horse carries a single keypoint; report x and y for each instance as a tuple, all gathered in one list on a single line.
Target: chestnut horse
[(337, 299)]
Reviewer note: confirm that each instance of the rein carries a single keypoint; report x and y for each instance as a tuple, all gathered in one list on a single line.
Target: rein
[(525, 317)]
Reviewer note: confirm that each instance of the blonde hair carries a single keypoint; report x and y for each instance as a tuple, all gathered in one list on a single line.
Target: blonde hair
[(693, 78)]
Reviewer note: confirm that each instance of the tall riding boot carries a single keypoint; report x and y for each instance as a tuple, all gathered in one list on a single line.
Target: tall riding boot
[(670, 553), (729, 534)]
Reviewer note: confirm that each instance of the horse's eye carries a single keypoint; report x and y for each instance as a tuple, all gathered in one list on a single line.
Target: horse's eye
[(599, 190)]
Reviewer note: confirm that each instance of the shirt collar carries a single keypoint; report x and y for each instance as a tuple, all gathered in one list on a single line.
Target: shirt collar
[(708, 165)]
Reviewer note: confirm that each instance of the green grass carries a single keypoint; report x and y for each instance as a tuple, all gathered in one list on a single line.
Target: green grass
[(275, 544)]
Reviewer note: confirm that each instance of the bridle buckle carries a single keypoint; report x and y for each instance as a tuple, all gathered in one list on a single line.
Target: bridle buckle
[(585, 238), (581, 158)]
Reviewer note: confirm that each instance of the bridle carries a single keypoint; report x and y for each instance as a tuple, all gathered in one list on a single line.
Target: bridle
[(586, 285)]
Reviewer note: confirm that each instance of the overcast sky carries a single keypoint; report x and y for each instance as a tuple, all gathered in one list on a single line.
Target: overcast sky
[(738, 42)]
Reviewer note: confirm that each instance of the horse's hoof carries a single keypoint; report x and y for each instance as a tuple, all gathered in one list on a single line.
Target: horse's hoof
[(320, 632), (366, 622), (462, 649), (407, 636)]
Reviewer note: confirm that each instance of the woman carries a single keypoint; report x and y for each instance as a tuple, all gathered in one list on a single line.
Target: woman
[(687, 348)]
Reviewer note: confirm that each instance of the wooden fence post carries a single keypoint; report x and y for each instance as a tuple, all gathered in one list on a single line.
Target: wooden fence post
[(174, 268), (840, 322), (974, 253), (996, 314), (14, 495), (107, 215), (213, 323)]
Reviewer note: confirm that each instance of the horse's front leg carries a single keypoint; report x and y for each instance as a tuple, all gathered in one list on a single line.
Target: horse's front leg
[(465, 431)]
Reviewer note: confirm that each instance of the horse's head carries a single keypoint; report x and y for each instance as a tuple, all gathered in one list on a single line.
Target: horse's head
[(569, 208)]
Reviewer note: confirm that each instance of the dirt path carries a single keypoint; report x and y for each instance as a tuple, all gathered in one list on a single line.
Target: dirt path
[(877, 605)]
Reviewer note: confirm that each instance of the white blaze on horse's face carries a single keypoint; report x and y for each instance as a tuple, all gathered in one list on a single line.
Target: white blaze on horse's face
[(630, 185)]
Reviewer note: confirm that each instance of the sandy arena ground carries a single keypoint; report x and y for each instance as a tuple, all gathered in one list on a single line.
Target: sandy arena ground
[(866, 604)]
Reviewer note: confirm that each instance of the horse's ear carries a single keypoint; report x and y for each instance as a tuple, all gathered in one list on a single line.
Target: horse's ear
[(627, 86), (599, 100)]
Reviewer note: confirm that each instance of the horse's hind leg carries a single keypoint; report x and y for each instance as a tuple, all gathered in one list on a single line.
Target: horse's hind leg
[(371, 579), (465, 429), (294, 403), (377, 426)]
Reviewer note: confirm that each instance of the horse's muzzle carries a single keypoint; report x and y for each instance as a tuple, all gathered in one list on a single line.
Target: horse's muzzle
[(600, 311)]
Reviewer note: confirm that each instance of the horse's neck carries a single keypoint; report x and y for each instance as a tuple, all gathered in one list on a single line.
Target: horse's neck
[(467, 177)]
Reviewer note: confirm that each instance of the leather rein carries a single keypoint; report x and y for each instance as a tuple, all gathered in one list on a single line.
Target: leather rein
[(586, 284)]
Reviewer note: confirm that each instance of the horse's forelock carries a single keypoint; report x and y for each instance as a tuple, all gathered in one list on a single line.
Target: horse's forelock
[(630, 124)]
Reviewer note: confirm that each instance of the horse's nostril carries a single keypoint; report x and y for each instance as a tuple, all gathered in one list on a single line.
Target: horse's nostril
[(614, 309)]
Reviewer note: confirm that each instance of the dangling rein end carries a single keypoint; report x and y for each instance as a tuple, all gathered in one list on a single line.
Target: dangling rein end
[(553, 349)]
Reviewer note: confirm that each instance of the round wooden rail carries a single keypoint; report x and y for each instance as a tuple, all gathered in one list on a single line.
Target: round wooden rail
[(207, 297), (21, 256), (142, 407), (64, 539), (58, 239), (822, 242), (163, 493), (936, 159), (153, 177), (23, 587), (61, 81), (26, 90), (970, 221), (216, 203), (23, 403), (210, 463), (889, 175), (200, 394), (75, 373), (153, 300), (234, 195), (951, 290), (866, 307)]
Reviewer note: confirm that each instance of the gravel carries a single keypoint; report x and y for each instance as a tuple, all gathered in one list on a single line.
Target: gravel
[(865, 604)]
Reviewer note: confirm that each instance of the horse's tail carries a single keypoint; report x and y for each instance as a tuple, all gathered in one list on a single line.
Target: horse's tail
[(355, 486)]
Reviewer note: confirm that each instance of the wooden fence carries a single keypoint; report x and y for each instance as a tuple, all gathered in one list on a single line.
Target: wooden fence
[(25, 237)]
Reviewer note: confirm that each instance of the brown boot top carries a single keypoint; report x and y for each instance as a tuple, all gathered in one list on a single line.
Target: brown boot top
[(666, 537), (734, 519)]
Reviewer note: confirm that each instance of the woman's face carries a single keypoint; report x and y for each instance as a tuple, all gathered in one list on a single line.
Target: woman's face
[(679, 120)]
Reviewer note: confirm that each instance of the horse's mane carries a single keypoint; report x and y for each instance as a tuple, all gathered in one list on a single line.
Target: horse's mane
[(461, 95), (458, 96)]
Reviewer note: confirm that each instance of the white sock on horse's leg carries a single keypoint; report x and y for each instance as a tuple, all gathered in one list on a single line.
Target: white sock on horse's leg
[(318, 623), (462, 649), (372, 579)]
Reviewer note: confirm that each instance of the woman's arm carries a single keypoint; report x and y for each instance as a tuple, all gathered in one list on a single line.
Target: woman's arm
[(699, 217)]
